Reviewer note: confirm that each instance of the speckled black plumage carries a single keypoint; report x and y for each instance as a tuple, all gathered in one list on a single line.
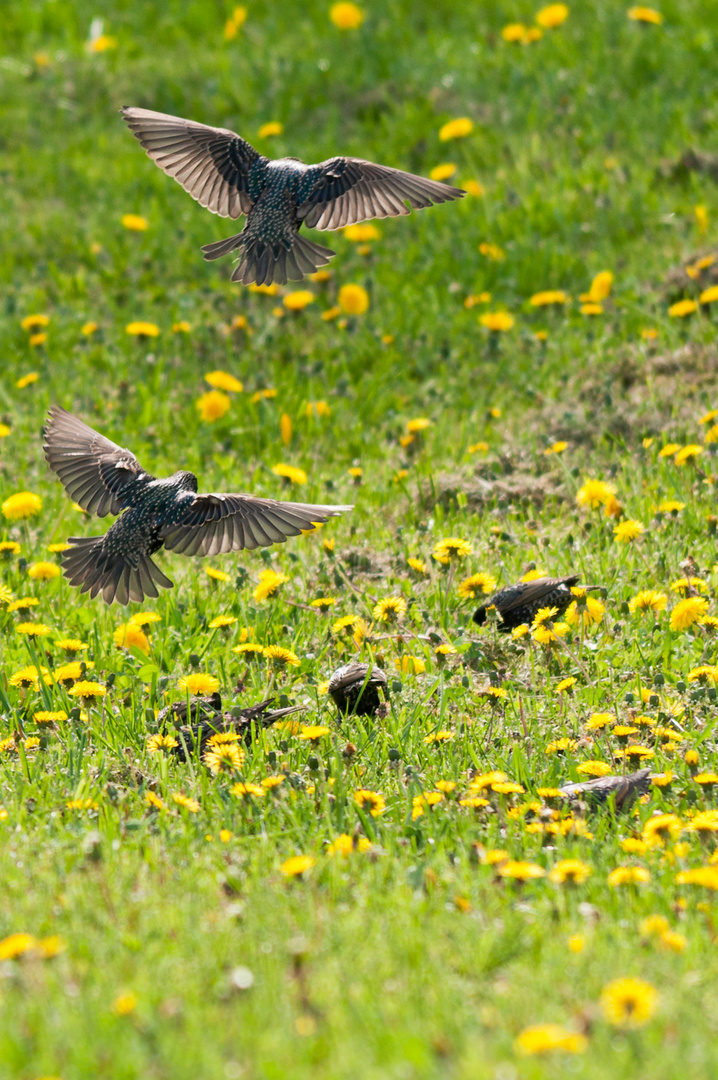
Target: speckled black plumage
[(228, 176), (624, 789), (518, 604), (209, 720), (105, 479), (355, 688)]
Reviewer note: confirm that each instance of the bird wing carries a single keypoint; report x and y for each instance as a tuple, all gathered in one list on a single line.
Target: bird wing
[(93, 470), (212, 164), (531, 591), (217, 523), (348, 190)]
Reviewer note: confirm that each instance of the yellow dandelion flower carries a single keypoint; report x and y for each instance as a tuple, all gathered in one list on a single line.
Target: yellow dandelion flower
[(142, 329), (157, 743), (299, 864), (552, 16), (662, 828), (451, 548), (34, 322), (688, 453), (497, 321), (297, 301), (594, 493), (24, 504), (131, 636), (548, 298), (593, 768), (470, 587), (270, 129), (86, 689), (213, 405), (199, 684), (353, 299), (456, 129), (645, 15), (15, 945), (628, 875), (628, 1002), (371, 799), (628, 530), (269, 582), (32, 377), (33, 629), (390, 609), (43, 571), (443, 172), (134, 222), (520, 870), (687, 612), (648, 600), (224, 756), (247, 790), (682, 308), (222, 380), (281, 657), (313, 732), (185, 802), (234, 23), (290, 473), (514, 33), (570, 872)]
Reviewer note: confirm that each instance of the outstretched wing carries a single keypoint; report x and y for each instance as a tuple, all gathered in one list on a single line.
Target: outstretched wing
[(531, 591), (93, 470), (348, 190), (216, 524), (211, 164)]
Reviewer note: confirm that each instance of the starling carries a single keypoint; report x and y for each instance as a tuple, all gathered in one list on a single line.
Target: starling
[(624, 789), (212, 721), (354, 688), (226, 175), (518, 604), (105, 479)]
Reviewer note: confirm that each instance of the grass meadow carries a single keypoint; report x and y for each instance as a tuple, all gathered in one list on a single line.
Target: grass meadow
[(512, 374)]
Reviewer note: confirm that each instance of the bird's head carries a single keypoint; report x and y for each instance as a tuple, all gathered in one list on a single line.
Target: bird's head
[(479, 616), (185, 481)]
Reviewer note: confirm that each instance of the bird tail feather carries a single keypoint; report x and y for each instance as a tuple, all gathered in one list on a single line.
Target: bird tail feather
[(265, 264), (222, 247), (95, 570)]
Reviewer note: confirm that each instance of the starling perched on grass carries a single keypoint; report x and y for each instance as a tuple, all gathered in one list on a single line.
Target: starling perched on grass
[(354, 688), (226, 175), (105, 479), (208, 719), (518, 604), (623, 789)]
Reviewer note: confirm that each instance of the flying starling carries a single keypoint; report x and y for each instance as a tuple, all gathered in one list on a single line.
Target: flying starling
[(623, 789), (208, 719), (229, 177), (518, 604), (105, 479), (354, 688)]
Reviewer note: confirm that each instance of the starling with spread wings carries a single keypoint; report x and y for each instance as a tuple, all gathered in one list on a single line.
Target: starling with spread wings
[(229, 177), (105, 479), (518, 604)]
